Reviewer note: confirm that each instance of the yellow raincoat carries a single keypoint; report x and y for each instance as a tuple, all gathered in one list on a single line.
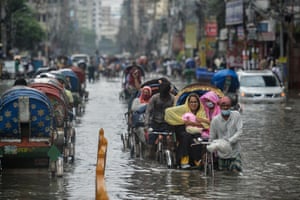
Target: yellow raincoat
[(173, 115)]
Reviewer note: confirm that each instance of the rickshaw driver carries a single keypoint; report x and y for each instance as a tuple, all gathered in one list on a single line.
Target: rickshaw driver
[(228, 125), (155, 112)]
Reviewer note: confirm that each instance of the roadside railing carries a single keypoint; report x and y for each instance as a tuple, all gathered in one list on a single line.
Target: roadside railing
[(101, 193)]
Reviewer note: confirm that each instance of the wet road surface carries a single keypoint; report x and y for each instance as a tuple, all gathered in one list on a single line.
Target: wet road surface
[(270, 156)]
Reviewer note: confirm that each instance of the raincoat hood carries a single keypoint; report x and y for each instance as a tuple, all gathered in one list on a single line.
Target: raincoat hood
[(213, 97)]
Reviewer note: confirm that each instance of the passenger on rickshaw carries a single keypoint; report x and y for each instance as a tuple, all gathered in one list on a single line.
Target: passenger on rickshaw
[(134, 79), (133, 83), (138, 109), (66, 86), (70, 103), (68, 92), (210, 102), (155, 112), (188, 129)]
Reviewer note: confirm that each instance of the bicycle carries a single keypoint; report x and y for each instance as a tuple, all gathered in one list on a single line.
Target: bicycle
[(165, 151)]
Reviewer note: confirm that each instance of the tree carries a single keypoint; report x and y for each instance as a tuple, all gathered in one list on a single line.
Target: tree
[(22, 29), (28, 32)]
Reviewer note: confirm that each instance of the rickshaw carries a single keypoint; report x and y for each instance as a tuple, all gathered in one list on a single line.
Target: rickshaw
[(28, 134), (75, 88), (54, 75), (208, 162), (198, 88), (43, 70), (135, 124), (204, 75), (56, 78), (227, 81), (62, 116), (82, 78)]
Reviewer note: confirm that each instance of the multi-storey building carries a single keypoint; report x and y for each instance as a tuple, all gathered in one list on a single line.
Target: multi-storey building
[(100, 16), (109, 22)]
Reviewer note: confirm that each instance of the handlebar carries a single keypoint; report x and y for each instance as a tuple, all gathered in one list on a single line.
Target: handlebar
[(161, 133)]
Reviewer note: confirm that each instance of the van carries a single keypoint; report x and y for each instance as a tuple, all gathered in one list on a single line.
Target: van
[(75, 58)]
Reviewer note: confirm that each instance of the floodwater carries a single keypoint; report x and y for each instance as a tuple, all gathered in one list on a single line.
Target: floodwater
[(271, 153)]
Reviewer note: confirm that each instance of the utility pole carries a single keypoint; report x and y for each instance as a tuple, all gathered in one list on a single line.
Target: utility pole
[(170, 27), (3, 27), (281, 30)]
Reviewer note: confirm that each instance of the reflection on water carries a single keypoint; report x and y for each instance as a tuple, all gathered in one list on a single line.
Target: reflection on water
[(33, 185), (270, 156)]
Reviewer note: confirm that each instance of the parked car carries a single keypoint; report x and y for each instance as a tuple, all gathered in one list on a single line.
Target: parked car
[(260, 86)]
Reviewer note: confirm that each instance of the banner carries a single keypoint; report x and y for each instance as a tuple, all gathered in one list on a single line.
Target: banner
[(191, 35)]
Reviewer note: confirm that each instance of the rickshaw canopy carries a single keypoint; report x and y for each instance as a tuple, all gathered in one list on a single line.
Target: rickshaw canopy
[(219, 78)]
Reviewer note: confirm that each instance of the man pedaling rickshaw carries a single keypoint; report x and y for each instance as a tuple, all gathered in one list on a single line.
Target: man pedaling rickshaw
[(154, 117)]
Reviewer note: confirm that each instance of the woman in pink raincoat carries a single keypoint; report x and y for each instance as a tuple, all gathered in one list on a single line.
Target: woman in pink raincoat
[(211, 107)]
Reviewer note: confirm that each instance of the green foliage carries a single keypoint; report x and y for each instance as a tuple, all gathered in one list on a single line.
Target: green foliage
[(23, 30), (15, 5), (28, 32)]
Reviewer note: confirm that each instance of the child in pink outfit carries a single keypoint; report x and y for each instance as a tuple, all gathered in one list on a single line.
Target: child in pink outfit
[(191, 117)]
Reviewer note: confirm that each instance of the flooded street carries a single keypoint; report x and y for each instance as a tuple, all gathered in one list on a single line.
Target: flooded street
[(270, 145)]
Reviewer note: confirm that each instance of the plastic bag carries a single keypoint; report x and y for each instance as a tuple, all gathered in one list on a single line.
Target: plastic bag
[(220, 145)]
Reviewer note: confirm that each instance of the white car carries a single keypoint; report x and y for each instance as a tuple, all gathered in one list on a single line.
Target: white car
[(260, 86), (75, 58)]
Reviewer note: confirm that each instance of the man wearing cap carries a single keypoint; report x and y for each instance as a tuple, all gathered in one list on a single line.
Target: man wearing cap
[(228, 126)]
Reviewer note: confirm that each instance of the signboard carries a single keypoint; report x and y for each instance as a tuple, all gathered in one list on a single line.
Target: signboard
[(178, 43), (240, 33), (191, 35), (234, 12), (223, 34), (211, 29), (252, 33), (266, 31)]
